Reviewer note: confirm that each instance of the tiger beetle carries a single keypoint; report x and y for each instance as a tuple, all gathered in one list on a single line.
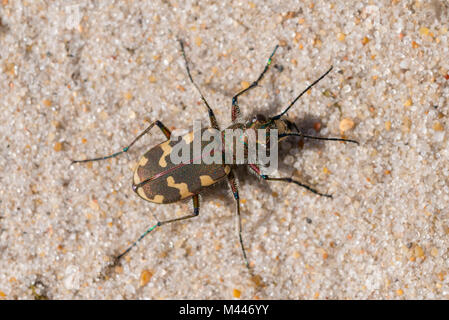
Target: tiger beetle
[(157, 179)]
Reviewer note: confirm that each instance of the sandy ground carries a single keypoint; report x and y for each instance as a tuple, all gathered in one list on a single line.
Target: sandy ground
[(83, 78)]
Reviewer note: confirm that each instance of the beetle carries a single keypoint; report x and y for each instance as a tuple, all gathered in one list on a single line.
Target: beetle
[(157, 179)]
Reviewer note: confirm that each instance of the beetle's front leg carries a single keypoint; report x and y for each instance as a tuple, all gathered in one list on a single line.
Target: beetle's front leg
[(235, 108)]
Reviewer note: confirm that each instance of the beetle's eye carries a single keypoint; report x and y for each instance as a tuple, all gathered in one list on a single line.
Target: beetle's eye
[(291, 126), (260, 118)]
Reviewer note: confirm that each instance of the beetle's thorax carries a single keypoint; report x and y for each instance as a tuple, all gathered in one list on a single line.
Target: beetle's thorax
[(253, 133)]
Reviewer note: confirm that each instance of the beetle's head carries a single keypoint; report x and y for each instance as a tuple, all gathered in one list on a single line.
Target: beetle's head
[(283, 124), (259, 121)]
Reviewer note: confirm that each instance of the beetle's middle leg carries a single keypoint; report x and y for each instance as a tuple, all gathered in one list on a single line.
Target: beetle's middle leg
[(256, 169), (161, 126), (196, 212), (233, 184), (235, 107)]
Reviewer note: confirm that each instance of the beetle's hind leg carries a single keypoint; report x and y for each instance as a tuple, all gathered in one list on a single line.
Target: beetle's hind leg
[(161, 126), (196, 212), (233, 184), (235, 107)]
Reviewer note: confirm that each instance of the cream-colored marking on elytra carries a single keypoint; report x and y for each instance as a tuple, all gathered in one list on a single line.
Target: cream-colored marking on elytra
[(188, 138), (206, 181), (157, 198), (182, 187), (227, 169), (166, 149), (143, 161), (136, 179), (142, 194)]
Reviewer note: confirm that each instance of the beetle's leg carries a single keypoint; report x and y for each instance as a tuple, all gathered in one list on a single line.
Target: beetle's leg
[(213, 120), (256, 169), (233, 184), (196, 212), (235, 107), (161, 126)]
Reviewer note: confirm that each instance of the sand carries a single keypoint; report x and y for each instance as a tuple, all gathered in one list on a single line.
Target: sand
[(83, 78)]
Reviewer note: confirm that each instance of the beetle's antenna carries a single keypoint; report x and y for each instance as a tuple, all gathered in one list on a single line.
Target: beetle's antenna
[(316, 138), (301, 94)]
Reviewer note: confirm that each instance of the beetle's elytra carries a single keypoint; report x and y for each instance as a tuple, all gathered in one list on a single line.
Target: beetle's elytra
[(157, 179)]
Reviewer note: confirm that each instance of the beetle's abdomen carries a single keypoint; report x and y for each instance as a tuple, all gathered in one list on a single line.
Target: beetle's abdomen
[(158, 179)]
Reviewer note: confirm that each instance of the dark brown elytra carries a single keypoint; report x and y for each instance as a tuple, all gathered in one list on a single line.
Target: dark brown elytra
[(157, 179)]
